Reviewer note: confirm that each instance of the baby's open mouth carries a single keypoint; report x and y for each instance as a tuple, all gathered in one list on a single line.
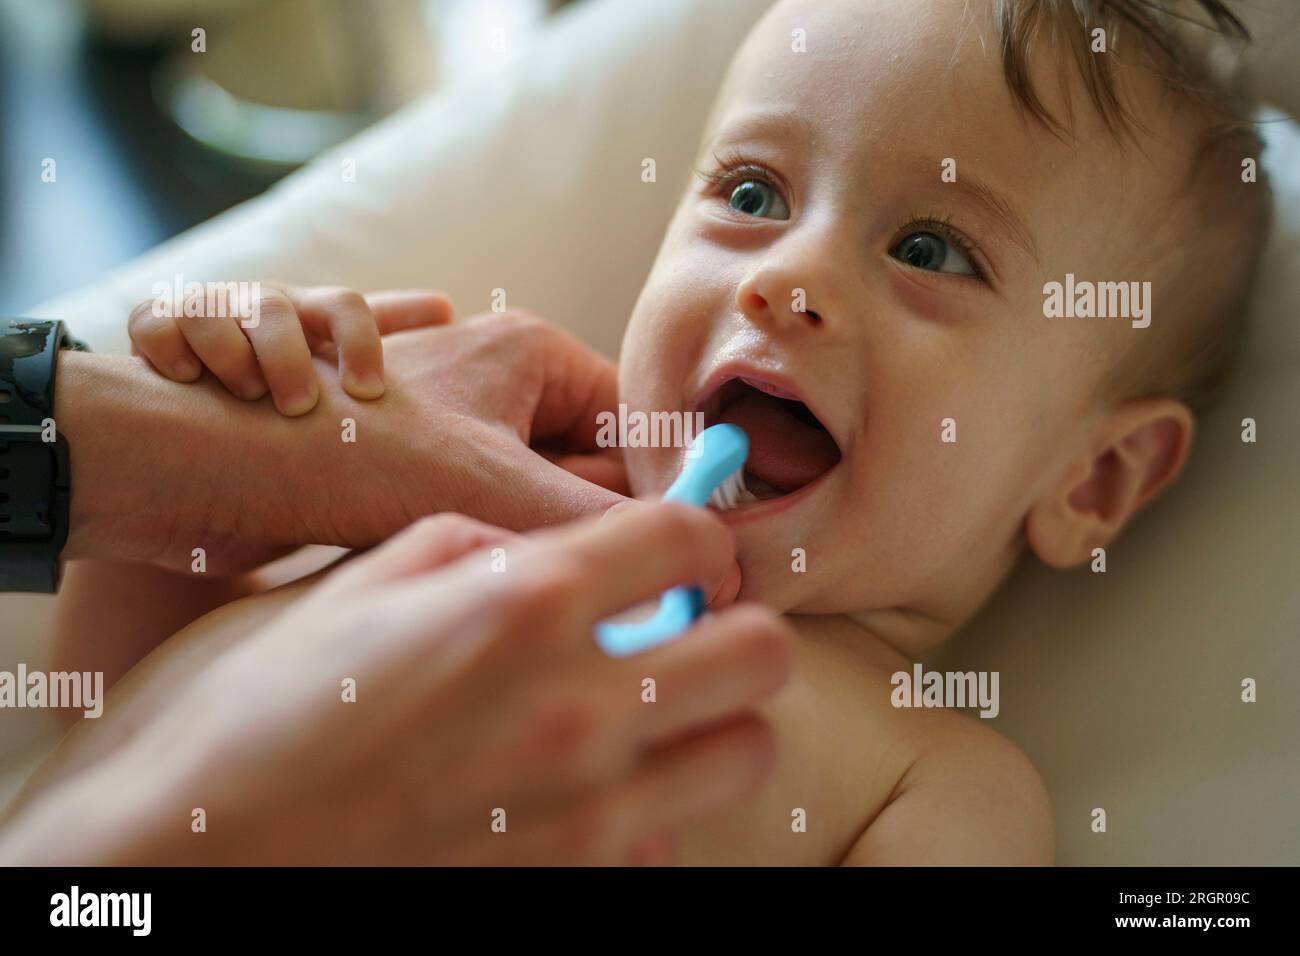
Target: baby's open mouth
[(789, 447)]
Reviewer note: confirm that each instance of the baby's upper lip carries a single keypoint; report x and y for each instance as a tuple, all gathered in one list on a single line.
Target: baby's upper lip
[(765, 380)]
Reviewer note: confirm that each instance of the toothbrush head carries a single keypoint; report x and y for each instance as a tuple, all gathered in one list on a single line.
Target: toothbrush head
[(715, 464), (727, 494)]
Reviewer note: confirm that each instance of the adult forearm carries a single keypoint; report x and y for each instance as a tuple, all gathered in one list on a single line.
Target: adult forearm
[(160, 469)]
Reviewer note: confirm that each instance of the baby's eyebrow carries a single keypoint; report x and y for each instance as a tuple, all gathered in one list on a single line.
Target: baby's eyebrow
[(1001, 209), (770, 122)]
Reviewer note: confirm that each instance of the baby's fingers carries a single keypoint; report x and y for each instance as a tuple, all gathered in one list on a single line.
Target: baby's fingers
[(278, 340), (344, 317), (158, 338), (220, 345), (400, 309)]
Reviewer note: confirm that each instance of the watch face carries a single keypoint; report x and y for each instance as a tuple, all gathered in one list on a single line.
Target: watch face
[(21, 338), (26, 377)]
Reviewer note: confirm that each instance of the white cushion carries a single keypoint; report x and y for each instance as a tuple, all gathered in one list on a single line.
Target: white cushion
[(528, 181)]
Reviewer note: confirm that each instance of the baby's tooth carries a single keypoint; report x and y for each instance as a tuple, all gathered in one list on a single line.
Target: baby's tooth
[(762, 490)]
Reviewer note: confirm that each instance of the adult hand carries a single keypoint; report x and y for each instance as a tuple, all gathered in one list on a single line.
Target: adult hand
[(161, 469), (480, 699), (467, 409)]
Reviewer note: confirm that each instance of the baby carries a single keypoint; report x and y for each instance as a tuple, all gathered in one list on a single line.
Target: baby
[(860, 278)]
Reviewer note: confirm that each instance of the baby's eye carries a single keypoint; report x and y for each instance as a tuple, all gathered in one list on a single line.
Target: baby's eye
[(925, 250), (754, 197)]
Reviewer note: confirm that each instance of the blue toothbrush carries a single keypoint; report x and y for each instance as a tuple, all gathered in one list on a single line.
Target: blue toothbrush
[(713, 470)]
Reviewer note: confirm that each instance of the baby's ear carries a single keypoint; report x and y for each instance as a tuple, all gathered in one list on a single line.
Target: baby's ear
[(1135, 452)]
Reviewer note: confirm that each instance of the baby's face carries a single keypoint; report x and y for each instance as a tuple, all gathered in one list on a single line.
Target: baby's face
[(922, 304)]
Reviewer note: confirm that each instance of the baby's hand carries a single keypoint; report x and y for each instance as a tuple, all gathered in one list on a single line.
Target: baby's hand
[(272, 348)]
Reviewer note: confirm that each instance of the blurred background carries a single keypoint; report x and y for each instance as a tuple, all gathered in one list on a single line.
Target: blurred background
[(127, 121)]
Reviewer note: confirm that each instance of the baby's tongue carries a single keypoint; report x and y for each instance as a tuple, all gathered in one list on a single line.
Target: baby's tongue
[(784, 451)]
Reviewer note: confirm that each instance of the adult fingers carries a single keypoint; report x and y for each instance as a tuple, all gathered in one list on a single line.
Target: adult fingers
[(517, 488), (728, 661), (604, 469), (718, 591), (578, 384), (631, 556), (670, 789), (694, 777), (589, 724)]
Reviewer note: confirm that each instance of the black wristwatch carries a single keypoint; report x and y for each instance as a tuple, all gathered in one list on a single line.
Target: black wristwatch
[(35, 480)]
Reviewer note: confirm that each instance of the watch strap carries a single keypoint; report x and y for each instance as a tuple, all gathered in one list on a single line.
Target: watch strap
[(35, 479)]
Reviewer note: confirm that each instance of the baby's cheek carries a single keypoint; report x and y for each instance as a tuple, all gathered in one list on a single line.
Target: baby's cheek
[(650, 470), (651, 384)]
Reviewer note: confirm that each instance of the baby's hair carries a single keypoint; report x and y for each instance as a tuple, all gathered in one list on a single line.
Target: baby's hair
[(1158, 25), (1189, 46)]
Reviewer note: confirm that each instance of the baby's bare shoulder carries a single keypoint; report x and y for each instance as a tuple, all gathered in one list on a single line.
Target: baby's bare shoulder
[(969, 797), (938, 786)]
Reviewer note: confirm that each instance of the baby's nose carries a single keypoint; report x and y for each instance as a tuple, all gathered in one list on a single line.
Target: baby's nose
[(773, 308)]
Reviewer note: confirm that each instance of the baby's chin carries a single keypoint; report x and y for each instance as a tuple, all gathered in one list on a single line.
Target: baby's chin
[(773, 578), (763, 585)]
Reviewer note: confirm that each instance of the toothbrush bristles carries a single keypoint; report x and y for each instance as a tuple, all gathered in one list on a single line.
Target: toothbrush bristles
[(726, 495)]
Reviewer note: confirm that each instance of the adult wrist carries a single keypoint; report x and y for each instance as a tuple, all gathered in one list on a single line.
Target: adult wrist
[(155, 465)]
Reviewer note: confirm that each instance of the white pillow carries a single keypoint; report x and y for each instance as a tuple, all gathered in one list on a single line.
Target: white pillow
[(530, 181)]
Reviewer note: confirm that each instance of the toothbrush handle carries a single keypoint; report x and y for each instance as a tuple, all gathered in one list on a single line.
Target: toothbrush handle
[(678, 609)]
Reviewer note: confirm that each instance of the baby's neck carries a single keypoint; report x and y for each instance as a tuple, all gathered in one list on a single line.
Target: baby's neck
[(910, 635), (887, 651)]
